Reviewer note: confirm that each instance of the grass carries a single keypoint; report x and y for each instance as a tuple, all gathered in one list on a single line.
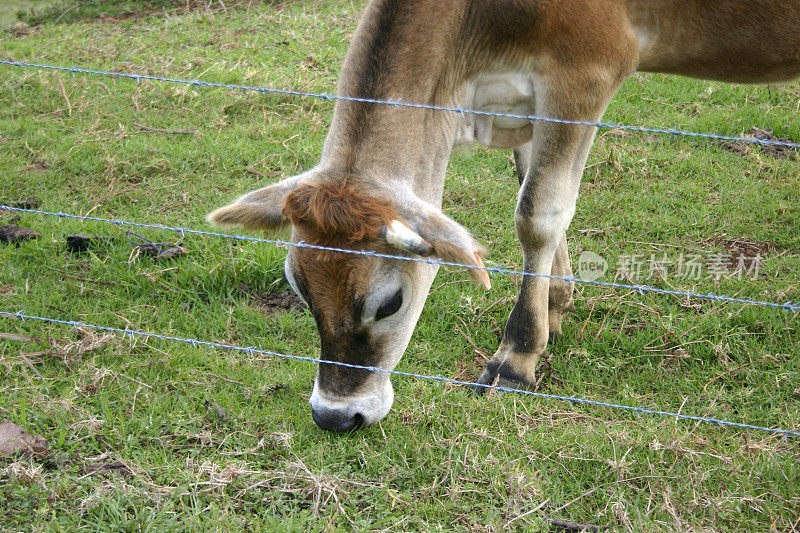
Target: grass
[(10, 10), (155, 435), (34, 12)]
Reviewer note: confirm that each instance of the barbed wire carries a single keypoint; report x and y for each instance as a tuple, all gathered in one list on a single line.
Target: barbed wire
[(788, 306), (401, 103), (131, 333)]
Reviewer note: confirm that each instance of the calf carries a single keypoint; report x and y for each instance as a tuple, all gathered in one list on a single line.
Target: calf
[(378, 185)]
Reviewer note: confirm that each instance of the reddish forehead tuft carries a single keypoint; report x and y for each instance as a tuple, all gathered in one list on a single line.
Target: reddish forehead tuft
[(336, 214)]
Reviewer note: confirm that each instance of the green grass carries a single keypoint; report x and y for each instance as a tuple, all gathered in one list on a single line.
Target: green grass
[(11, 9), (442, 459), (34, 12)]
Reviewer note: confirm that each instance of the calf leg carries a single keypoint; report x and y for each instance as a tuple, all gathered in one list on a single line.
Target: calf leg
[(544, 210), (560, 300)]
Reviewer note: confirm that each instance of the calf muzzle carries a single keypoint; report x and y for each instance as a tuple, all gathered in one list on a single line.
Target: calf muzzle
[(337, 420)]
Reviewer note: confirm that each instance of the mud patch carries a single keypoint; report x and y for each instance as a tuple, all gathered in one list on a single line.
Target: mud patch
[(742, 246), (16, 234), (776, 151), (285, 301), (14, 440), (743, 255)]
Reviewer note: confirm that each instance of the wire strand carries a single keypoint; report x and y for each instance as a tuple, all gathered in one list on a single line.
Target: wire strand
[(788, 306), (251, 351), (400, 103)]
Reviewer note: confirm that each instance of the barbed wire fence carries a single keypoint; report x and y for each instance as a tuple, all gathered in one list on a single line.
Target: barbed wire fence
[(131, 333)]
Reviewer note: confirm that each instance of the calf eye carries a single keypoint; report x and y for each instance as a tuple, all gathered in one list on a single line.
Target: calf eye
[(390, 306)]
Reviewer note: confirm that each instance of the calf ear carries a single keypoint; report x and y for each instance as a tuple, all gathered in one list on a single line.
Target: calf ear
[(449, 240), (259, 209)]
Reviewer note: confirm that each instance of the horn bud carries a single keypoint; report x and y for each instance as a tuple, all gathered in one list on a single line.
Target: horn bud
[(402, 237)]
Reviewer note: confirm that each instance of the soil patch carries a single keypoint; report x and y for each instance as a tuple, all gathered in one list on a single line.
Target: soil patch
[(775, 150), (274, 302), (16, 234), (14, 439), (744, 255), (742, 246)]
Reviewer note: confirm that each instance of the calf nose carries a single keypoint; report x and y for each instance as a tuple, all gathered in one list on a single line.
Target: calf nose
[(336, 420)]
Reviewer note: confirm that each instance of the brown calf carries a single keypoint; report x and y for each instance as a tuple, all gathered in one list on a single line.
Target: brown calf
[(378, 185)]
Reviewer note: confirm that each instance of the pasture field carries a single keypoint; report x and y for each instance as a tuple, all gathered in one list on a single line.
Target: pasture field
[(153, 435), (9, 12)]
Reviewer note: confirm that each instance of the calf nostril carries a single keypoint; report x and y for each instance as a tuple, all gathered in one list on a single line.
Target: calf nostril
[(333, 420), (355, 422)]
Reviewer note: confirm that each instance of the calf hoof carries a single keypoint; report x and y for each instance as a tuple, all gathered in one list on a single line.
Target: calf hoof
[(500, 375)]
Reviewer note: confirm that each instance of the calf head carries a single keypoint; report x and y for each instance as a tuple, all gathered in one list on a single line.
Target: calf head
[(365, 308)]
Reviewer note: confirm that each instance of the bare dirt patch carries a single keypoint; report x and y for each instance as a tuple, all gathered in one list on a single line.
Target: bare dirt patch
[(285, 301), (775, 150), (16, 234), (741, 246), (744, 255), (14, 439)]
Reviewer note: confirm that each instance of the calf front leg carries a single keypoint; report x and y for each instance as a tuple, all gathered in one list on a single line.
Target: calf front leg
[(544, 210), (560, 300)]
